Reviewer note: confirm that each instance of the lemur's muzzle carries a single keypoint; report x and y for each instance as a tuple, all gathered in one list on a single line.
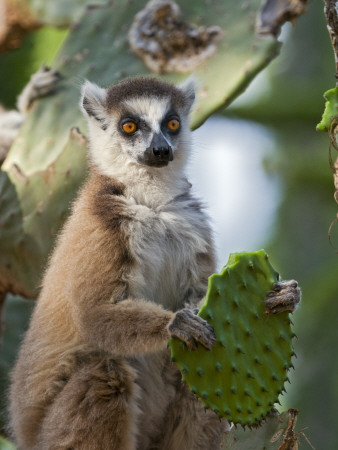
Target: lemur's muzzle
[(159, 153)]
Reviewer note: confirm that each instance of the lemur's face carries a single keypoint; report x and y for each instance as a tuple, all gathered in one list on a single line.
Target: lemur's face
[(150, 130), (142, 120)]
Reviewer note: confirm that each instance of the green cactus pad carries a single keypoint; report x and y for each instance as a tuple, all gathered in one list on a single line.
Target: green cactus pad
[(243, 375)]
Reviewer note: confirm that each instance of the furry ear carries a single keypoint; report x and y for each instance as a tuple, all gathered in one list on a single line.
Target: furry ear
[(93, 100), (189, 87)]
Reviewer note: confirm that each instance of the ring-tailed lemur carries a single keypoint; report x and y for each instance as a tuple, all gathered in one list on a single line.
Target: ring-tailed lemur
[(130, 265)]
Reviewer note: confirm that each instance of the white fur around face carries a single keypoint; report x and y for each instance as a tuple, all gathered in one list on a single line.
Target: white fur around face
[(117, 158)]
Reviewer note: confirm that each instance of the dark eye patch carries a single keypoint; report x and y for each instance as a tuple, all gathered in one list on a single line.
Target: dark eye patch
[(130, 117), (171, 115), (125, 119)]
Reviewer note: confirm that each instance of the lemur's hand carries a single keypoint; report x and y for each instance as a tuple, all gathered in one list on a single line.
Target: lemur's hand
[(191, 329), (285, 296)]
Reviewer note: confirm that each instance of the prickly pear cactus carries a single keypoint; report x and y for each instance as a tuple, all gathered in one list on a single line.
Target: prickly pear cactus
[(243, 375)]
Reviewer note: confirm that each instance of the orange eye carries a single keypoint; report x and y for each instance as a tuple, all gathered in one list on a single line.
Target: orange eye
[(173, 124), (129, 127)]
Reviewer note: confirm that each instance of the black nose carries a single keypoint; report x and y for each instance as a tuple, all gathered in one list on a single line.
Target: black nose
[(163, 153)]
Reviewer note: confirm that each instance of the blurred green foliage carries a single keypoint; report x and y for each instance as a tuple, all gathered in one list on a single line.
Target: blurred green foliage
[(297, 79), (5, 444)]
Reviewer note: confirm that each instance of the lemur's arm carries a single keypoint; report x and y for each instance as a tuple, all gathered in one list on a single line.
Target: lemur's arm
[(132, 327)]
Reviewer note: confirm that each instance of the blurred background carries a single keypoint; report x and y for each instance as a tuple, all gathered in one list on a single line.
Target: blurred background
[(263, 170)]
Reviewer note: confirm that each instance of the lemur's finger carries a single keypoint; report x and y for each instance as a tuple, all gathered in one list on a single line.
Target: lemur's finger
[(284, 296), (183, 336), (206, 339), (188, 325), (202, 332)]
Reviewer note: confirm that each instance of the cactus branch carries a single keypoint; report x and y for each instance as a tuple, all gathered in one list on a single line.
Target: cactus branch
[(331, 15)]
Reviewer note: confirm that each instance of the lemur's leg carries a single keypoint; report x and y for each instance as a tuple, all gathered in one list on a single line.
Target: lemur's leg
[(190, 426), (95, 410), (41, 83), (285, 296)]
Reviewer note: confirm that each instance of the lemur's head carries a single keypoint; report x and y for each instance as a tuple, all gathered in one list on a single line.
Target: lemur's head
[(143, 121)]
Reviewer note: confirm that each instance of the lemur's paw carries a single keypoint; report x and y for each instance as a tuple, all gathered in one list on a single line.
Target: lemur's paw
[(285, 296), (192, 329), (41, 83)]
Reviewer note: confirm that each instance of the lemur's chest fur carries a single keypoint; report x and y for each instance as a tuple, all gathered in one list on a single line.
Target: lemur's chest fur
[(169, 245)]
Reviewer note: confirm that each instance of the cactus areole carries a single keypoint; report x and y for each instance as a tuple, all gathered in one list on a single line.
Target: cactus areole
[(243, 375)]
